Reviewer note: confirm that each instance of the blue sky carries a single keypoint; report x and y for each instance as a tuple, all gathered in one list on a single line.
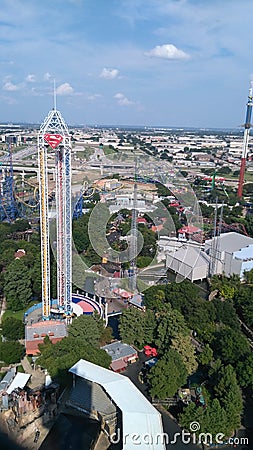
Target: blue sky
[(132, 62)]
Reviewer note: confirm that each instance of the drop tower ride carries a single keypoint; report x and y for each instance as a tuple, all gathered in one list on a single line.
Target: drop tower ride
[(54, 134), (247, 127)]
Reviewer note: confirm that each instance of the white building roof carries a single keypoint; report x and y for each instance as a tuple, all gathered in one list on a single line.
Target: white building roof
[(190, 256), (245, 254), (139, 417), (231, 242), (19, 381)]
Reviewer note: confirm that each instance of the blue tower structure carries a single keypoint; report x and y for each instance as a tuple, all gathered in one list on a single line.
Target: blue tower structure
[(8, 206), (78, 209)]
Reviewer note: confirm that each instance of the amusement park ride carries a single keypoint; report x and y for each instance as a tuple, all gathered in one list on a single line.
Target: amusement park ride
[(54, 135), (247, 127)]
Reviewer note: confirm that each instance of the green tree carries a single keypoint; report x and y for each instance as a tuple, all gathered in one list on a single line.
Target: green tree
[(5, 229), (154, 297), (11, 352), (206, 356), (80, 233), (229, 394), (168, 375), (244, 305), (248, 276), (86, 328), (58, 358), (230, 345), (136, 327), (225, 313), (183, 345), (13, 329), (36, 277), (106, 336), (227, 286), (17, 285), (212, 420), (244, 371), (171, 323), (143, 261)]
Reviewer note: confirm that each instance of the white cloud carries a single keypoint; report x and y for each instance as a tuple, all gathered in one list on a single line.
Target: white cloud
[(31, 78), (93, 96), (109, 74), (167, 51), (10, 87), (122, 99), (64, 89), (47, 76)]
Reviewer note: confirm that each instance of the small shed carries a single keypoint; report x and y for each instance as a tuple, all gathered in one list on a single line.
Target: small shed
[(121, 354)]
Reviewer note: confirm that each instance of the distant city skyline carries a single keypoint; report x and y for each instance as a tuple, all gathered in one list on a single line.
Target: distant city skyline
[(171, 63)]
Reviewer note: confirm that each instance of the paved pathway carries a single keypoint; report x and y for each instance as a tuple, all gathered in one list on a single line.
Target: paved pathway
[(38, 376)]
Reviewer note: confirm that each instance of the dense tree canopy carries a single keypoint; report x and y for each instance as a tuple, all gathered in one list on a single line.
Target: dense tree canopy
[(171, 323), (136, 327), (13, 329), (11, 352), (58, 358), (168, 375), (183, 345), (230, 345), (17, 285), (224, 408), (87, 328)]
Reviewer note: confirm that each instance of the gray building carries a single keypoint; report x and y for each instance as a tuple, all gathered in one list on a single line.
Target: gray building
[(188, 262), (121, 354), (230, 253)]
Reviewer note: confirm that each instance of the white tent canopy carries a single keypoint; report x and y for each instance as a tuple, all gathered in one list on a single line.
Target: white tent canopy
[(141, 421)]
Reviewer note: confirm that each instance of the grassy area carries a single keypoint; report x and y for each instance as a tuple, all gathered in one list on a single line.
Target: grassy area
[(17, 314), (108, 150), (249, 176)]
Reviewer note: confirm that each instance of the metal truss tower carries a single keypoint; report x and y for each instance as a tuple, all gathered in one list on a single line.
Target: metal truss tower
[(247, 127), (54, 133), (134, 237)]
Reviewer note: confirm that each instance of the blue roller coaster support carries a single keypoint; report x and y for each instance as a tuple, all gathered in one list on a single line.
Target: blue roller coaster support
[(78, 211), (8, 207)]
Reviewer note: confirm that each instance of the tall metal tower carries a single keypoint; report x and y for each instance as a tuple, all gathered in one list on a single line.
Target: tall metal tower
[(133, 239), (247, 126), (54, 133)]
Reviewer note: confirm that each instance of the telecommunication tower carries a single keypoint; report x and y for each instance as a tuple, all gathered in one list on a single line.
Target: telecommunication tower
[(247, 127), (54, 133)]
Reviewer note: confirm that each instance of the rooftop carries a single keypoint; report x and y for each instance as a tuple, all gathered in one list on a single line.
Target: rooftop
[(138, 415), (118, 350), (191, 256), (19, 381), (231, 242), (55, 328)]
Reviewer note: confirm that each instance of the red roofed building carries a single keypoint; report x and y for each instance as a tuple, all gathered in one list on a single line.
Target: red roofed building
[(190, 232), (142, 220), (34, 334), (20, 253), (157, 228)]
